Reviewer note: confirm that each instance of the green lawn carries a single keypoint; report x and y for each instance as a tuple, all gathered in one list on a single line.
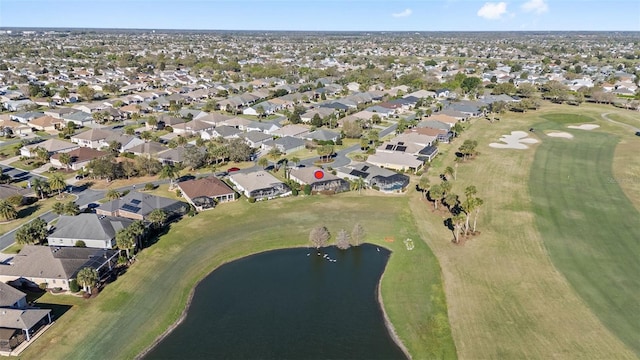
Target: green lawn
[(130, 313), (589, 226), (506, 298), (567, 118)]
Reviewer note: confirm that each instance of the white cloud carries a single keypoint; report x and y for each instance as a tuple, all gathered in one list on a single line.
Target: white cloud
[(404, 13), (493, 11), (536, 6)]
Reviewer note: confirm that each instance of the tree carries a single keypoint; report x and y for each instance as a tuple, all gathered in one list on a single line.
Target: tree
[(71, 208), (58, 208), (65, 159), (194, 156), (468, 148), (238, 150), (87, 277), (342, 240), (352, 129), (478, 204), (39, 186), (316, 120), (423, 184), (458, 222), (157, 217), (358, 184), (42, 154), (7, 210), (113, 194), (449, 171), (137, 229), (319, 236), (34, 232), (325, 151), (470, 83), (295, 160), (274, 153), (446, 187), (436, 193), (357, 234), (451, 200), (169, 172), (263, 162), (125, 240), (58, 183)]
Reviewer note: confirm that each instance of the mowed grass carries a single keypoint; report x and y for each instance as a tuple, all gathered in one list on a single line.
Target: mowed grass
[(130, 313), (567, 118), (589, 226), (506, 299)]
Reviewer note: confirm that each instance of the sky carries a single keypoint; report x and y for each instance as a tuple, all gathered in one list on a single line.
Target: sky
[(327, 15)]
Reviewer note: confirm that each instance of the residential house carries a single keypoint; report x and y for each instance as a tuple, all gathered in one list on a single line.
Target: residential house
[(148, 149), (375, 177), (53, 146), (192, 127), (46, 123), (80, 118), (327, 183), (24, 117), (293, 130), (93, 138), (222, 131), (17, 128), (442, 136), (205, 193), (285, 145), (443, 118), (96, 231), (259, 185), (55, 266), (16, 317), (395, 160), (255, 139), (80, 158), (137, 206), (323, 135)]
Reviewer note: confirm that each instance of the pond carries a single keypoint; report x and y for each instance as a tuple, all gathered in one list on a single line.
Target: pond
[(287, 304)]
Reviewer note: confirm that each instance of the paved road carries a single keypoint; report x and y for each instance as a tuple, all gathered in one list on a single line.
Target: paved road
[(606, 117), (19, 175)]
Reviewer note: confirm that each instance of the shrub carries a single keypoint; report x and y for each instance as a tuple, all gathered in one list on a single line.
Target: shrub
[(178, 193), (307, 189), (294, 192), (80, 243), (149, 186), (42, 286), (252, 200), (15, 200), (52, 169), (73, 286)]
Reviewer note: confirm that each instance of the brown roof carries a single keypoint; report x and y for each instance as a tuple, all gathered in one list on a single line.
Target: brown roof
[(45, 121), (209, 187), (82, 154)]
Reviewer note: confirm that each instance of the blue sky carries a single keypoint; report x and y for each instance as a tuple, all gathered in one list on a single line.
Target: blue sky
[(331, 15)]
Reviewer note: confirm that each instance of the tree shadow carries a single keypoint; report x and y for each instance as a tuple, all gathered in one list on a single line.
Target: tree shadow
[(448, 223), (154, 235), (28, 211)]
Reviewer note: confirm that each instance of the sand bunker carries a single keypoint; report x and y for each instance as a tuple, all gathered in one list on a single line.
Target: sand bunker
[(584, 126), (517, 140), (560, 134)]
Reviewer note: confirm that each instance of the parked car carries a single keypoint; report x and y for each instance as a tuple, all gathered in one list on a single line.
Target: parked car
[(637, 133), (232, 169)]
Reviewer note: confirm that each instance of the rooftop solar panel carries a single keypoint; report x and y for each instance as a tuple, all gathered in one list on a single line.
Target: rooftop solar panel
[(130, 208)]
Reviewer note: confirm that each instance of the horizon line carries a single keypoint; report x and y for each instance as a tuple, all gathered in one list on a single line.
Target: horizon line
[(300, 30)]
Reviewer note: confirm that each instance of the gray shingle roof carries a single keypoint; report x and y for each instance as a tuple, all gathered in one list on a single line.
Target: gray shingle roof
[(142, 204), (9, 295), (89, 226)]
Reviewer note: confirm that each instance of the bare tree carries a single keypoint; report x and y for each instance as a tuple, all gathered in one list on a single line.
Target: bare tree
[(342, 240), (319, 236), (357, 235)]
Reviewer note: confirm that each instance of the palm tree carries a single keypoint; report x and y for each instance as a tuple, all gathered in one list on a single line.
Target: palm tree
[(449, 172), (478, 204), (446, 187), (295, 160), (451, 200), (41, 154), (87, 277), (65, 159), (7, 211), (137, 229), (423, 184), (458, 222), (57, 182), (169, 172), (125, 240), (113, 194), (436, 193), (358, 184), (157, 217), (39, 186)]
